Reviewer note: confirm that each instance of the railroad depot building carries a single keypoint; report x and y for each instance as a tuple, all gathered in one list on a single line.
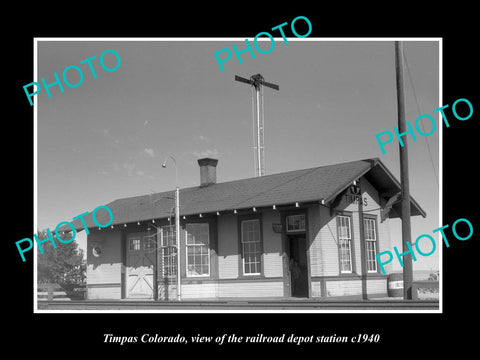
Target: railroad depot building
[(309, 233)]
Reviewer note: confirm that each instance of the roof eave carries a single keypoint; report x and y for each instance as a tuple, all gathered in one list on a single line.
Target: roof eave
[(397, 183)]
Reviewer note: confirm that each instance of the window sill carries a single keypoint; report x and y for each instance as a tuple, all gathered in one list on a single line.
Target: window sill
[(198, 279), (376, 275), (368, 275), (246, 277)]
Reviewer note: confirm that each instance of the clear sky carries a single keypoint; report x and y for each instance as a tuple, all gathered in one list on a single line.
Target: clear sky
[(107, 138)]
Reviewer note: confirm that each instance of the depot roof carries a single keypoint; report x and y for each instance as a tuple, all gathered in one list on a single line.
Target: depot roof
[(302, 186)]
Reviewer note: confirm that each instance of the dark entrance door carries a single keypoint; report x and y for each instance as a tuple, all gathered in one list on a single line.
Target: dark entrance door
[(298, 265)]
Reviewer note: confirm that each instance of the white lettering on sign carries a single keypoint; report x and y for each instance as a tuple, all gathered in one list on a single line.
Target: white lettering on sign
[(350, 199)]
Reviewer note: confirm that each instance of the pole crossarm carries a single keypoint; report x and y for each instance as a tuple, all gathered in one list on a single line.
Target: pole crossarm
[(258, 82)]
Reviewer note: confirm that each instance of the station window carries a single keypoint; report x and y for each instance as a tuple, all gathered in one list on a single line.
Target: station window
[(198, 249), (251, 250), (345, 243), (134, 244), (296, 223), (370, 243)]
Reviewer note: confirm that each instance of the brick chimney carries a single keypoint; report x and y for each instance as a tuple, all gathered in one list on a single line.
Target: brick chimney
[(208, 171)]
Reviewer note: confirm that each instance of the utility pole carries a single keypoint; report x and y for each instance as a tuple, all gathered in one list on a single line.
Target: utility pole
[(177, 238), (405, 204), (257, 81), (363, 250)]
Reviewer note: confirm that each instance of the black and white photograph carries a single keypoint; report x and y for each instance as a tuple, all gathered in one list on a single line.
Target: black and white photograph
[(207, 183), (274, 182)]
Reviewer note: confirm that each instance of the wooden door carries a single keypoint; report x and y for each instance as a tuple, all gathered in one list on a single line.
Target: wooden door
[(140, 267), (298, 266)]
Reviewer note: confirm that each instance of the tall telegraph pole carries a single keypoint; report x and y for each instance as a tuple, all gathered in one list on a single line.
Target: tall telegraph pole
[(405, 205)]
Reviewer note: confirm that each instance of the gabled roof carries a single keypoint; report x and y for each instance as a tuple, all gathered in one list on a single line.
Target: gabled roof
[(307, 185)]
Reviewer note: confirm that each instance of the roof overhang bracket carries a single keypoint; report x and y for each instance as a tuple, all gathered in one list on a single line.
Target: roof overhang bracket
[(337, 201), (388, 206)]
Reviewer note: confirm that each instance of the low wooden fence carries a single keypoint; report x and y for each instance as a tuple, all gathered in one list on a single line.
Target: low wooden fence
[(51, 292)]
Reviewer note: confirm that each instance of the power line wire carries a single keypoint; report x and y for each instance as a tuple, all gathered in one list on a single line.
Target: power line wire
[(418, 110)]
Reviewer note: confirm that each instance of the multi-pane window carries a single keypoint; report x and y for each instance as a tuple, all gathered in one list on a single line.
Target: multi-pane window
[(251, 252), (134, 244), (296, 223), (344, 243), (198, 249), (169, 250), (371, 244)]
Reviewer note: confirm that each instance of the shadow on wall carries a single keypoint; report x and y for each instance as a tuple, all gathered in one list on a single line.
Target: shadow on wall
[(229, 234), (101, 249)]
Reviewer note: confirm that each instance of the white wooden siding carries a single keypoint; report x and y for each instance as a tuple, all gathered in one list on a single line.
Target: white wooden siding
[(197, 291), (227, 246), (105, 269), (229, 251), (98, 293), (344, 288), (378, 286), (315, 240), (316, 289), (251, 289), (324, 249), (385, 242), (272, 245), (104, 274)]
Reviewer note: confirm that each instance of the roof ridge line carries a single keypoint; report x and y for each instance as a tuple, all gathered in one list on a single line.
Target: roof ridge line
[(249, 178)]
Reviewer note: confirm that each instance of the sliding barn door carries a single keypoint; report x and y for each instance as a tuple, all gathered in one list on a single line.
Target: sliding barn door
[(140, 266)]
